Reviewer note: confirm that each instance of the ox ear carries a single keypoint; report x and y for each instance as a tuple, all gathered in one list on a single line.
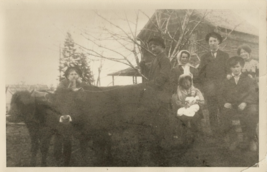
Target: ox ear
[(26, 98)]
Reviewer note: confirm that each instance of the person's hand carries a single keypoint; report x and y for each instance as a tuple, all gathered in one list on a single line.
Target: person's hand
[(242, 106), (250, 75), (75, 89), (79, 80), (229, 76), (228, 105)]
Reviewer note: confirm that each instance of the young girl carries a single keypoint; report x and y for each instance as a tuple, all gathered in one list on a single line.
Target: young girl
[(188, 97), (72, 79), (186, 103)]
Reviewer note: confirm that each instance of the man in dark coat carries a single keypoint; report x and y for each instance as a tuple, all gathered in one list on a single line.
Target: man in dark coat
[(239, 100), (212, 72), (159, 72)]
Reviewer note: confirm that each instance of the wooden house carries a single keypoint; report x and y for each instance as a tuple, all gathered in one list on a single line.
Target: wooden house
[(167, 24)]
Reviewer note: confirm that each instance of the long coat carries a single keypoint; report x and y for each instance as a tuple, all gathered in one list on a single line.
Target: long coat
[(159, 72), (212, 72)]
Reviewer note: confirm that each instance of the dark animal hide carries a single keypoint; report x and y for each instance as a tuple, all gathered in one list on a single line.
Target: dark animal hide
[(41, 119), (101, 114)]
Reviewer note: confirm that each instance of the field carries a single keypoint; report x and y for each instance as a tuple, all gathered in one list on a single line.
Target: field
[(205, 151)]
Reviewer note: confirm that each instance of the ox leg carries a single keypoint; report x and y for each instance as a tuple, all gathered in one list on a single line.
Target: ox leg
[(58, 140), (45, 142), (34, 150), (159, 156), (33, 131), (67, 150), (109, 159), (83, 146), (102, 151)]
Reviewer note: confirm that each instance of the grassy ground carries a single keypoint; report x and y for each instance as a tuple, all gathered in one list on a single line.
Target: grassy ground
[(205, 151)]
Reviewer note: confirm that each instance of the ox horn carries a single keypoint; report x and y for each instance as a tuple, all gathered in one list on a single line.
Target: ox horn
[(65, 119)]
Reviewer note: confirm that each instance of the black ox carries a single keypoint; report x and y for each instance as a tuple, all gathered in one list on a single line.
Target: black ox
[(139, 110), (41, 121), (114, 118)]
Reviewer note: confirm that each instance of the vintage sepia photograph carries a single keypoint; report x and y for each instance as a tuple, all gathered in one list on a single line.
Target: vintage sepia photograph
[(144, 87)]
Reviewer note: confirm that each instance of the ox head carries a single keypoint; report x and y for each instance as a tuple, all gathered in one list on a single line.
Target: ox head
[(22, 105)]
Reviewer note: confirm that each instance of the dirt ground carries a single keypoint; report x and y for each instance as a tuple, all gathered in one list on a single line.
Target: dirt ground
[(205, 152)]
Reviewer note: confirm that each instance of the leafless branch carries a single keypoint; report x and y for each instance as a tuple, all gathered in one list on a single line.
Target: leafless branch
[(153, 22), (129, 25), (114, 25), (196, 25), (232, 30), (167, 23), (99, 55)]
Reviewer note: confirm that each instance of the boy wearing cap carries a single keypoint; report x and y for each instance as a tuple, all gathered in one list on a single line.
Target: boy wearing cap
[(239, 101), (212, 72), (159, 71)]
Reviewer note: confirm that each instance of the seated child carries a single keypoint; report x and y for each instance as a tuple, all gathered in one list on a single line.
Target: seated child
[(188, 97), (72, 79), (187, 101), (239, 100)]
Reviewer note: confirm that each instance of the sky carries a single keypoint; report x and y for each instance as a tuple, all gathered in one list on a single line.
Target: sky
[(34, 32), (33, 35)]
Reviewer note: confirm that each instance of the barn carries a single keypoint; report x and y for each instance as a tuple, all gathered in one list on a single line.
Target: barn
[(234, 29), (168, 24)]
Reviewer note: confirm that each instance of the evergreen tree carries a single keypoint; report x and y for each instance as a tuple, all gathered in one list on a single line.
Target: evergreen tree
[(71, 58)]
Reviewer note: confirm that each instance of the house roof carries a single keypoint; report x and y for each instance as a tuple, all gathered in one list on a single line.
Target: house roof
[(125, 72), (226, 19)]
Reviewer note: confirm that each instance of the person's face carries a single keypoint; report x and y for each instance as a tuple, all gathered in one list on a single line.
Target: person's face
[(155, 48), (236, 69), (213, 43), (186, 84), (245, 55), (184, 58), (73, 75)]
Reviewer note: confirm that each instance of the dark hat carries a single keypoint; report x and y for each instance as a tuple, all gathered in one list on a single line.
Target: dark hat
[(69, 69), (215, 35), (157, 40)]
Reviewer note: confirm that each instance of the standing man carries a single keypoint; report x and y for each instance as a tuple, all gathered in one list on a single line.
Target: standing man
[(158, 77), (212, 72), (159, 72)]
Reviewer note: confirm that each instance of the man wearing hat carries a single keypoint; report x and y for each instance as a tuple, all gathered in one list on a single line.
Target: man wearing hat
[(158, 74), (212, 72), (158, 78)]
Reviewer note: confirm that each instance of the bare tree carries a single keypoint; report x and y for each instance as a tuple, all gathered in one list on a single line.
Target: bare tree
[(98, 81), (176, 27)]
